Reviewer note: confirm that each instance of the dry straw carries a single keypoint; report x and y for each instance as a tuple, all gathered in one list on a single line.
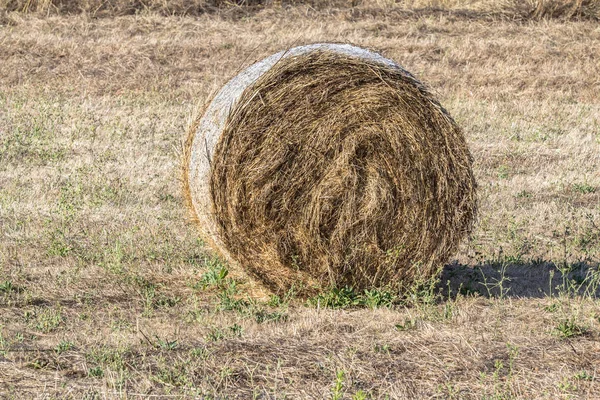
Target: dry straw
[(330, 165)]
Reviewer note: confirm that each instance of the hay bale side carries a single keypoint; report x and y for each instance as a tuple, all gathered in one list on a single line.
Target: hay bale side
[(329, 164)]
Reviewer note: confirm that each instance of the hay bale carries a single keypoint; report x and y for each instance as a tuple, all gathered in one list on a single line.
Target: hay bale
[(328, 164)]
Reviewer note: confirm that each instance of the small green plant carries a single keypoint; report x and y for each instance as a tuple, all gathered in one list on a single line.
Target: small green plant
[(378, 298), (8, 287), (96, 372), (164, 301), (584, 376), (568, 328), (147, 292), (229, 302), (584, 188), (503, 172), (236, 330), (422, 293), (343, 297), (497, 288), (513, 353), (337, 391), (63, 346), (59, 244), (199, 352), (275, 301), (215, 276), (409, 323), (217, 334), (120, 324), (360, 395), (39, 363), (45, 320), (113, 260), (4, 346), (498, 369), (166, 344), (382, 348), (107, 358), (566, 386), (172, 375), (262, 316)]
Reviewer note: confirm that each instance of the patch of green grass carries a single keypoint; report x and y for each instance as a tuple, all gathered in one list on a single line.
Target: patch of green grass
[(217, 334), (503, 172), (8, 287), (584, 188), (236, 330), (409, 323), (229, 302), (566, 386), (275, 301), (262, 316), (337, 390), (552, 307), (228, 297), (584, 375), (346, 297), (4, 346), (569, 328), (216, 275), (59, 245), (165, 344), (105, 360), (199, 352), (164, 301), (63, 346), (501, 377), (360, 395), (343, 297), (45, 319), (375, 298), (176, 375), (120, 324), (96, 372), (382, 348), (421, 293)]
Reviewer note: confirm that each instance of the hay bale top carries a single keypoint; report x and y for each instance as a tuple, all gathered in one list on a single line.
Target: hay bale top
[(219, 108)]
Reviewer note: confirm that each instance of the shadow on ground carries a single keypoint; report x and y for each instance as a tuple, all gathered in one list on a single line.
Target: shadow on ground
[(530, 280)]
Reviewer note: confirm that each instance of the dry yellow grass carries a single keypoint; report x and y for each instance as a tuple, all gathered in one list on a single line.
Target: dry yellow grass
[(105, 290), (505, 9)]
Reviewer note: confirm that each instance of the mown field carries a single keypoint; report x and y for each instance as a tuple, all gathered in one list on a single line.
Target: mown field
[(107, 292)]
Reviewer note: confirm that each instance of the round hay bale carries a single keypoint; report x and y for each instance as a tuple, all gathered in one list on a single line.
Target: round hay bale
[(329, 164)]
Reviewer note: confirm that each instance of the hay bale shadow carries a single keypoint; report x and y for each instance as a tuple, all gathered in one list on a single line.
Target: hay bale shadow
[(520, 280)]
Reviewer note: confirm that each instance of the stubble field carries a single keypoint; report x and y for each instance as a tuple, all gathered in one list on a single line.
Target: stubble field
[(106, 290)]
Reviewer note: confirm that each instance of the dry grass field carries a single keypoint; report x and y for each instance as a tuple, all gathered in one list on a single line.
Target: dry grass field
[(106, 291)]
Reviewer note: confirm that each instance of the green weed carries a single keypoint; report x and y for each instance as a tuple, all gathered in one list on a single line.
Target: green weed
[(45, 319), (337, 390), (569, 328), (346, 297), (584, 188), (63, 346)]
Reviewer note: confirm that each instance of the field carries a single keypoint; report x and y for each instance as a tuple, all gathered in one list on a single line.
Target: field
[(107, 292)]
